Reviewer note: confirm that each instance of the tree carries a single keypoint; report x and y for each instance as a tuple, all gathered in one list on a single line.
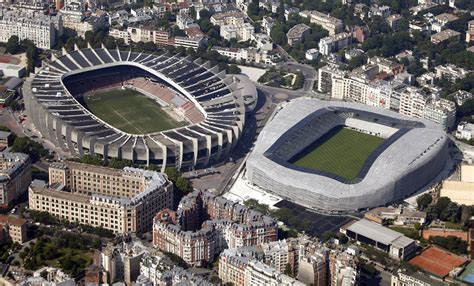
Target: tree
[(204, 13), (109, 42), (88, 36), (254, 204), (288, 271), (342, 238), (190, 52), (253, 9), (278, 35), (30, 147), (149, 46), (451, 243), (177, 32), (172, 174), (13, 45), (423, 201), (183, 185), (233, 69), (31, 54), (119, 163), (91, 160)]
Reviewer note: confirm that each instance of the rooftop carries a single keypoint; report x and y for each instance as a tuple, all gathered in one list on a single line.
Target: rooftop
[(446, 17), (223, 15), (444, 35), (297, 30), (379, 233), (4, 219)]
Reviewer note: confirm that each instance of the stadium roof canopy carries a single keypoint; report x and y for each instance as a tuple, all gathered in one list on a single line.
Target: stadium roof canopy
[(413, 154)]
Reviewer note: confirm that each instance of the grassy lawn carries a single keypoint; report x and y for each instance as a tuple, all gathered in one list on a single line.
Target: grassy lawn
[(129, 111), (341, 151), (284, 79)]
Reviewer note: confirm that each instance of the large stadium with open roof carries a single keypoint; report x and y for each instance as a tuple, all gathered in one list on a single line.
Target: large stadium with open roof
[(159, 108), (345, 157)]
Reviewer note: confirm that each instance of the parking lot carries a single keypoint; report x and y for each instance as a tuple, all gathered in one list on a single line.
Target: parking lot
[(319, 223)]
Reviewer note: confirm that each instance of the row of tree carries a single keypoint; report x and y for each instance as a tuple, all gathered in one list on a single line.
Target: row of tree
[(14, 46), (445, 210), (30, 147)]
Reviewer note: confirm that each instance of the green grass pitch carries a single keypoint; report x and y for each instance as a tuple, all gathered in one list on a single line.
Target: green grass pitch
[(341, 151), (129, 111)]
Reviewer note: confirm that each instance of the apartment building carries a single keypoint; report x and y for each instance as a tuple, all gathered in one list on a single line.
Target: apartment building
[(297, 33), (450, 72), (154, 267), (205, 224), (188, 42), (251, 55), (15, 228), (184, 20), (404, 278), (239, 268), (159, 37), (74, 18), (343, 269), (441, 20), (327, 22), (334, 43), (15, 177), (241, 31), (379, 10), (42, 29), (412, 102), (441, 111), (394, 21), (126, 261), (416, 103), (267, 24), (228, 18), (309, 261), (362, 85), (470, 31), (120, 34), (445, 35), (465, 131), (326, 75), (124, 201)]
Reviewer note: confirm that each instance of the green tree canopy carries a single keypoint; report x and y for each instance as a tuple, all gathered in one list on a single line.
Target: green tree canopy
[(233, 69), (423, 201), (13, 45)]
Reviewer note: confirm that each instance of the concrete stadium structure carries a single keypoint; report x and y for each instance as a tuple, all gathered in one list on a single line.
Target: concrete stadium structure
[(210, 101), (412, 155)]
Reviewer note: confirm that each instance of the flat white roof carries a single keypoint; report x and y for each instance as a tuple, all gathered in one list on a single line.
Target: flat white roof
[(379, 233)]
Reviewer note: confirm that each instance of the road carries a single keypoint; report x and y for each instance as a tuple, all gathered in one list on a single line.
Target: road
[(269, 98), (278, 94)]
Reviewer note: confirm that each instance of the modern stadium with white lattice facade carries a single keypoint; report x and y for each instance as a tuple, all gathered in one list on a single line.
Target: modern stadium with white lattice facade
[(207, 103), (338, 157)]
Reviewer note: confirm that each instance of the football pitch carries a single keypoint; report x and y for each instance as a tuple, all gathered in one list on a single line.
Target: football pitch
[(130, 111), (341, 151)]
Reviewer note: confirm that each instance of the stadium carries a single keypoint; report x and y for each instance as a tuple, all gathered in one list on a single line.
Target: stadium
[(157, 108), (339, 157)]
